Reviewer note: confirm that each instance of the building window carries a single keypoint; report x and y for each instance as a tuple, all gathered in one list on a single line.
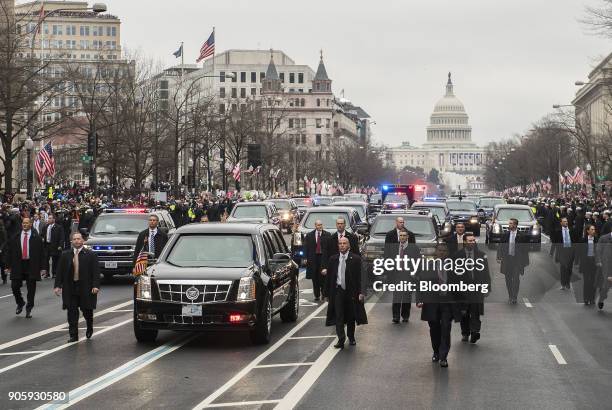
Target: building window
[(318, 102), (303, 122), (235, 77), (304, 139), (221, 76), (234, 92), (243, 77), (71, 30), (234, 107), (57, 30), (84, 30), (335, 124), (262, 76), (243, 93), (253, 91), (282, 77), (292, 78), (297, 140), (303, 101), (327, 122), (242, 107), (318, 139), (318, 123), (290, 122), (301, 78), (222, 92)]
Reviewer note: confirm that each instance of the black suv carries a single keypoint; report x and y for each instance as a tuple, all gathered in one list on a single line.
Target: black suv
[(462, 211), (113, 236), (218, 276)]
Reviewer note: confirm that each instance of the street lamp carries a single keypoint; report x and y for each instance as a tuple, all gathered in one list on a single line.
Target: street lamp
[(29, 144)]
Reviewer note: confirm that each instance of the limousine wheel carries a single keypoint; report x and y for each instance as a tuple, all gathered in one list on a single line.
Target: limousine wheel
[(263, 327), (144, 335), (289, 312)]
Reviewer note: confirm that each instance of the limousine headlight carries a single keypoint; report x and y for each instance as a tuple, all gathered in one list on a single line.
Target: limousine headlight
[(246, 289), (496, 228), (535, 230), (143, 287), (473, 220)]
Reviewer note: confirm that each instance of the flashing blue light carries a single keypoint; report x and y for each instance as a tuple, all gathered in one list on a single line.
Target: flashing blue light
[(430, 198), (385, 187), (301, 253)]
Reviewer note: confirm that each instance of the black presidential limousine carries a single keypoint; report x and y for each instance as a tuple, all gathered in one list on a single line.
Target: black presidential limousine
[(218, 276)]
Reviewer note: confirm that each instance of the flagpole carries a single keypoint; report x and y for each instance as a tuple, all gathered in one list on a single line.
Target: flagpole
[(214, 52), (182, 60)]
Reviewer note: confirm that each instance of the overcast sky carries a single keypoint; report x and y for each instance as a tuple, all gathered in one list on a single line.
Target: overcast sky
[(511, 60)]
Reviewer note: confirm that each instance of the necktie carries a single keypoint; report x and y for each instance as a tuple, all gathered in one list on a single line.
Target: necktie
[(459, 242), (511, 245), (318, 249), (24, 247), (49, 233), (401, 252), (75, 266), (342, 272), (152, 242), (566, 240), (590, 251)]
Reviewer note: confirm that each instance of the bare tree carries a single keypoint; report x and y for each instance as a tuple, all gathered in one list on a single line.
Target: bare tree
[(599, 19)]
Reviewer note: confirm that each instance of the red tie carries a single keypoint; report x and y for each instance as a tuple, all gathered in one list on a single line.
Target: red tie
[(318, 250), (24, 246)]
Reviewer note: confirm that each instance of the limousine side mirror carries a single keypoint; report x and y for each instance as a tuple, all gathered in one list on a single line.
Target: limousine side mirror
[(84, 232), (280, 258), (362, 228), (151, 258)]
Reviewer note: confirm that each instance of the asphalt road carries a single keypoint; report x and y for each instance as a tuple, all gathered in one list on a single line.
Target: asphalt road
[(549, 351)]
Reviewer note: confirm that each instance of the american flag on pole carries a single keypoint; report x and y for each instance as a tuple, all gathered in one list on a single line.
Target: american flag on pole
[(45, 163), (208, 48), (236, 172), (141, 263)]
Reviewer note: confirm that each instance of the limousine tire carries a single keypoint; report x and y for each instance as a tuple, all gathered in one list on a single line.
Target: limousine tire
[(289, 312), (144, 335), (261, 333)]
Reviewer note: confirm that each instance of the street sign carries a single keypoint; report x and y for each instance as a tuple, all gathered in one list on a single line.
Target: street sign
[(87, 158), (601, 177)]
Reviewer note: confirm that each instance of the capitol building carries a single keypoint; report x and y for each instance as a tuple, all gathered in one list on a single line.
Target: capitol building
[(449, 147)]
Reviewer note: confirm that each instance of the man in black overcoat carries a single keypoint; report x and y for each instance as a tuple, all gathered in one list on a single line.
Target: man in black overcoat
[(317, 245), (345, 294), (78, 282)]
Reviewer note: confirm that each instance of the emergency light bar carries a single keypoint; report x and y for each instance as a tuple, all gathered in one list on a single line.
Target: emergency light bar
[(126, 211)]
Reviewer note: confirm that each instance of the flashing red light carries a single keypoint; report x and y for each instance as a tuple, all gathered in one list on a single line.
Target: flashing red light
[(136, 210), (235, 318)]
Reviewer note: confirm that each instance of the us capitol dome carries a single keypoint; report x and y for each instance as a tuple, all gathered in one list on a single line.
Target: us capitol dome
[(448, 147)]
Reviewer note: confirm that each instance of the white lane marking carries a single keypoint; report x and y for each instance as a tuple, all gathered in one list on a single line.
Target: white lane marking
[(5, 296), (16, 353), (58, 327), (555, 351), (81, 328), (306, 291), (48, 352), (123, 310), (264, 366), (527, 303), (311, 337), (119, 373), (244, 403), (320, 317), (312, 375), (208, 400)]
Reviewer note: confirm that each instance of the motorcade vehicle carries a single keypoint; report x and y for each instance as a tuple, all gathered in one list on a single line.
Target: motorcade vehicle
[(303, 203), (464, 211), (527, 225), (288, 212), (485, 206), (255, 212), (440, 211), (114, 233), (218, 277)]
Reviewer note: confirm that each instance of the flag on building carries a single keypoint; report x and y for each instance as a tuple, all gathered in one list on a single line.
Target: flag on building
[(141, 263), (45, 163), (178, 53), (208, 48), (236, 172)]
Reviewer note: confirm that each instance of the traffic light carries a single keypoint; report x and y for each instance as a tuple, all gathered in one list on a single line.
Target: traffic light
[(253, 155), (91, 144)]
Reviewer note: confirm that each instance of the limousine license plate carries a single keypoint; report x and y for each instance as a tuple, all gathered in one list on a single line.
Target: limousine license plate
[(192, 310), (110, 265)]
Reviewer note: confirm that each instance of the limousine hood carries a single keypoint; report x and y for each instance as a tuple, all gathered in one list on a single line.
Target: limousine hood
[(166, 271)]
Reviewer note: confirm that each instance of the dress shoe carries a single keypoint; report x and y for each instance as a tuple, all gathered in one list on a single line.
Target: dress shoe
[(29, 313), (475, 337), (435, 358), (339, 345), (600, 305), (443, 363), (89, 332), (464, 338), (395, 320), (19, 309), (316, 299), (405, 320), (352, 342), (73, 339)]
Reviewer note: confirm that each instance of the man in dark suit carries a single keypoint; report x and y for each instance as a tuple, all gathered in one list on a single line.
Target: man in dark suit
[(439, 308), (341, 232), (513, 255), (345, 294), (566, 239), (78, 281), (151, 240), (317, 245), (473, 302), (53, 235), (585, 255), (455, 240), (27, 263), (401, 299), (393, 235)]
